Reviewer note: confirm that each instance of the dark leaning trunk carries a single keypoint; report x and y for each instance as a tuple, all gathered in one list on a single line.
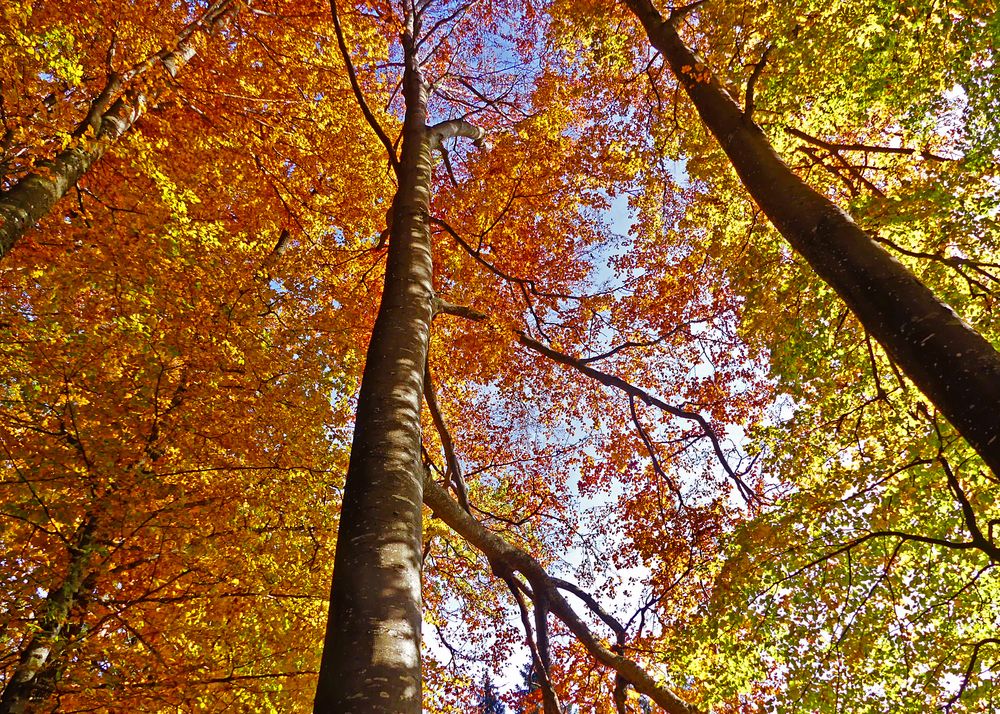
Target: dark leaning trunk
[(952, 364), (371, 654)]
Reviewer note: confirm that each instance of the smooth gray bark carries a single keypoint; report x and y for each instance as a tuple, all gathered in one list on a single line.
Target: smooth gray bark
[(371, 653)]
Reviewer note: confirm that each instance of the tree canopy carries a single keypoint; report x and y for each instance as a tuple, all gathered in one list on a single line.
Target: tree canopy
[(654, 346)]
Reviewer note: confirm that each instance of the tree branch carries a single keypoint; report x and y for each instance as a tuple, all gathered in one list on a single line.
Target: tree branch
[(454, 470), (651, 450), (679, 13), (954, 262), (454, 128), (618, 383), (358, 94), (591, 603), (968, 670), (507, 559), (550, 703), (443, 306), (928, 540), (628, 344), (968, 513), (867, 148), (527, 285), (758, 68)]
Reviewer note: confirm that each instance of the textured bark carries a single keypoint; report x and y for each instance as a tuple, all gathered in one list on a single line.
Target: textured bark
[(371, 654), (506, 559), (35, 656), (954, 366), (33, 196)]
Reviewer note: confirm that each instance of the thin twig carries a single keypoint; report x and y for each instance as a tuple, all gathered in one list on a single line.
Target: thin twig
[(358, 94), (454, 471)]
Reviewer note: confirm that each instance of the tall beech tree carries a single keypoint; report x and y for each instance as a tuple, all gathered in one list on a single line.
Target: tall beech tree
[(371, 655)]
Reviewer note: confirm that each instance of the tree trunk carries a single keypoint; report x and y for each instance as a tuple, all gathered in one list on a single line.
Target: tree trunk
[(23, 683), (33, 196), (371, 653), (953, 365)]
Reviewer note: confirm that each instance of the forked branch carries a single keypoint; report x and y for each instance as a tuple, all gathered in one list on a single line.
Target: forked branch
[(969, 670), (679, 13), (507, 559), (610, 380), (537, 644)]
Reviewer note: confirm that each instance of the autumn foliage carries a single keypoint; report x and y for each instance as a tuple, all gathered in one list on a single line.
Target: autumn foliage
[(665, 457)]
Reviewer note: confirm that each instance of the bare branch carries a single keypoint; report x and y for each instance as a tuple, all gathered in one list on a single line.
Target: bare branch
[(758, 69), (835, 146), (443, 306), (550, 702), (454, 128), (454, 472), (618, 383), (506, 559), (591, 603)]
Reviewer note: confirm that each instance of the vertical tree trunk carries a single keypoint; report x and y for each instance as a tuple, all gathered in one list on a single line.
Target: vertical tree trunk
[(23, 683), (953, 365), (34, 195), (371, 654)]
